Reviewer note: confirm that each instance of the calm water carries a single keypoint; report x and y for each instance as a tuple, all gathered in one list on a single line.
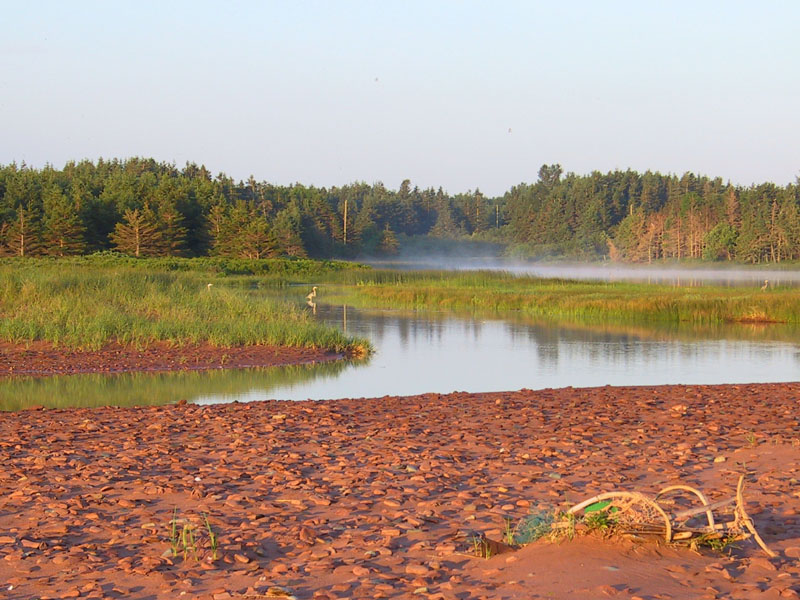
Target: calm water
[(430, 353), (420, 353)]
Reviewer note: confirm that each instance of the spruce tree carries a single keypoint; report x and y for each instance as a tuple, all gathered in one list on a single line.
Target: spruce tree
[(137, 234), (23, 234), (389, 244), (172, 236), (256, 239), (287, 234), (63, 231)]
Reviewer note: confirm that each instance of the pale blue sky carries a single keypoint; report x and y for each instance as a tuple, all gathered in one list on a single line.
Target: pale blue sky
[(327, 93)]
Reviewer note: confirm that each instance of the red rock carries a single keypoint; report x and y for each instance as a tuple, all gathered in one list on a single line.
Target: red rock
[(309, 536), (390, 532), (762, 563), (415, 569)]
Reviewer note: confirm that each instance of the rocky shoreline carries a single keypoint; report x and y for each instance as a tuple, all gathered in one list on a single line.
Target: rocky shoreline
[(42, 358), (378, 498)]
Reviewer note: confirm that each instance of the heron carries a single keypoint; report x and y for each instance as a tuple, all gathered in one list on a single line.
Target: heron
[(208, 287), (765, 286), (313, 305), (312, 295)]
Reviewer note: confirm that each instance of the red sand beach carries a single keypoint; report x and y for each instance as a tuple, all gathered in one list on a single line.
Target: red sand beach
[(378, 498)]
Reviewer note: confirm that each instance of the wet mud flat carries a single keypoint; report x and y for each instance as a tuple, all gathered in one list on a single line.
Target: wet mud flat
[(378, 498), (42, 358)]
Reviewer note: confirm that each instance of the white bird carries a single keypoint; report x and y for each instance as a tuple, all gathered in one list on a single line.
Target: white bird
[(208, 287), (765, 286), (312, 295)]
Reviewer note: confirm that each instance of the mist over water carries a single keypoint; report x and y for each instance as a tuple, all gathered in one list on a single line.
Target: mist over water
[(720, 275)]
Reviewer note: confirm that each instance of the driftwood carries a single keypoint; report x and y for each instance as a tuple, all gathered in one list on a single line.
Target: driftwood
[(696, 492), (636, 513), (743, 517)]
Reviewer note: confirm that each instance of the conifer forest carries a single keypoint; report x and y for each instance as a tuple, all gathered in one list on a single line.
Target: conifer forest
[(142, 207)]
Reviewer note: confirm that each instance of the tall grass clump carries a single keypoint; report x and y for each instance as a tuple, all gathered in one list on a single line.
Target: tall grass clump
[(88, 305)]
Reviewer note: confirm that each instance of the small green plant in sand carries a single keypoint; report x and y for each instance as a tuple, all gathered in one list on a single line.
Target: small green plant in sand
[(599, 521), (480, 548), (186, 538), (716, 542), (508, 531), (751, 439), (212, 538)]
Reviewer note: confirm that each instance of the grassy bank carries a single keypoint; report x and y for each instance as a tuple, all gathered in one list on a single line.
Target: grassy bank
[(88, 302), (572, 300)]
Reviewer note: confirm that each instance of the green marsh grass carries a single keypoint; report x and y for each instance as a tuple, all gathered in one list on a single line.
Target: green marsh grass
[(86, 304), (584, 301)]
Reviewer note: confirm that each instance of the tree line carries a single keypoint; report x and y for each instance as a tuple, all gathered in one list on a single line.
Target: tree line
[(634, 217), (142, 207)]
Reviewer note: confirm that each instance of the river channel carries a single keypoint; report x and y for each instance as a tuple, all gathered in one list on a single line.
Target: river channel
[(438, 352)]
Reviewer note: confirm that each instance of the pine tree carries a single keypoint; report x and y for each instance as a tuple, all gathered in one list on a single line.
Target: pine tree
[(389, 244), (230, 225), (22, 236), (137, 234), (215, 223), (256, 239), (172, 232), (63, 231), (287, 233)]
